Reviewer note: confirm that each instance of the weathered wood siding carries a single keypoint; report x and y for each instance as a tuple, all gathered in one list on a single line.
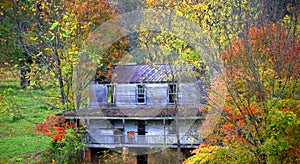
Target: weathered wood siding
[(156, 127), (156, 95), (97, 128), (103, 131), (98, 95), (189, 95), (126, 95)]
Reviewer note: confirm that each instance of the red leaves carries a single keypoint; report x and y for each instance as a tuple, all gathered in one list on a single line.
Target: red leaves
[(50, 122), (54, 127), (270, 47), (259, 67)]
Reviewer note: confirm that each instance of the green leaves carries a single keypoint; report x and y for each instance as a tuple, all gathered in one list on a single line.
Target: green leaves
[(53, 26), (283, 127), (261, 115)]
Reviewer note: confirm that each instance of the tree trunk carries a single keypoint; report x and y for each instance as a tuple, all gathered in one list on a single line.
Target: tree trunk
[(61, 84), (24, 81), (177, 133), (25, 69), (63, 98)]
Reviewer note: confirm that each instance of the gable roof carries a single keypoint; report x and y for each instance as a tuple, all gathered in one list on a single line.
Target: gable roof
[(145, 73)]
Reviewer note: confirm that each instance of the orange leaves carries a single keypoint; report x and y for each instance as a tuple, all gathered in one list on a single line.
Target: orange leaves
[(262, 73), (266, 47), (254, 110), (54, 127), (58, 134), (255, 33), (57, 138), (228, 128), (264, 59), (50, 122), (88, 13)]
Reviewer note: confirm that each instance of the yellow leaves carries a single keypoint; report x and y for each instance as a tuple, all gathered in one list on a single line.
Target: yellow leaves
[(84, 26), (222, 39), (180, 13), (188, 9), (200, 7), (203, 154)]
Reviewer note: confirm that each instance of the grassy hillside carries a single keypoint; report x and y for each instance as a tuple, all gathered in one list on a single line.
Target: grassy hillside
[(20, 111)]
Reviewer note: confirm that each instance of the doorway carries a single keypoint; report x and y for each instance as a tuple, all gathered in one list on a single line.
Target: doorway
[(141, 132), (141, 127)]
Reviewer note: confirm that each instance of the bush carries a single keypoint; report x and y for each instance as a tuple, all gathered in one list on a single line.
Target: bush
[(67, 141)]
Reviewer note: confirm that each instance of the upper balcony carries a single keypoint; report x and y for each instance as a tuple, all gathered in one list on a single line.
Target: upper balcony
[(115, 141)]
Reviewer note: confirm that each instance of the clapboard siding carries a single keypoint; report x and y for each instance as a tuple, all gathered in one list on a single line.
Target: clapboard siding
[(156, 95), (97, 95), (189, 95), (100, 127), (155, 128), (126, 95)]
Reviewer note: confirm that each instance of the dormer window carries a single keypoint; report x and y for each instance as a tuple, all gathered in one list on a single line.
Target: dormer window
[(141, 94), (111, 94), (172, 93)]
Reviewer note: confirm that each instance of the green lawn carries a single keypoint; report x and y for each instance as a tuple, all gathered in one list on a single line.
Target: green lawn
[(20, 112)]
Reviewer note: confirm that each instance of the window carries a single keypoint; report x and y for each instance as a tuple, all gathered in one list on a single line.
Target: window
[(172, 93), (111, 94), (141, 94)]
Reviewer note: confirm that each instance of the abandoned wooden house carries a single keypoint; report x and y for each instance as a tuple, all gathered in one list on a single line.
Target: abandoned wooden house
[(144, 107)]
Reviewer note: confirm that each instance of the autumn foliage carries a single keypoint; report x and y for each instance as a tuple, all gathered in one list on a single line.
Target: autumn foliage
[(260, 119), (270, 49), (67, 143), (54, 127)]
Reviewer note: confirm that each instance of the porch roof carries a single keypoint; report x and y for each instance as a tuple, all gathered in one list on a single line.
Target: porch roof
[(139, 113)]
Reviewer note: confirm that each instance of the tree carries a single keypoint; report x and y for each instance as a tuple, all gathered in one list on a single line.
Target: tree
[(239, 23), (235, 22), (62, 27), (47, 37), (260, 120), (171, 48), (15, 51)]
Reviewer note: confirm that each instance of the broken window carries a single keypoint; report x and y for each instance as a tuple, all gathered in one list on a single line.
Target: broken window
[(141, 94), (172, 93), (111, 94)]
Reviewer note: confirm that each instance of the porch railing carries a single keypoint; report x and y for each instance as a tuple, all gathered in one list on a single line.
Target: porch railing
[(141, 139)]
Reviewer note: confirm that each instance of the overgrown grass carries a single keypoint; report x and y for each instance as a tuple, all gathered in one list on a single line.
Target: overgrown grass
[(20, 112)]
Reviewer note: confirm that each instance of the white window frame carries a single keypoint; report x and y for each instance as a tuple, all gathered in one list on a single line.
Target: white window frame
[(141, 93)]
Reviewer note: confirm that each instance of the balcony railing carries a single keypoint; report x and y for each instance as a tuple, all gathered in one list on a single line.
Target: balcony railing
[(142, 139)]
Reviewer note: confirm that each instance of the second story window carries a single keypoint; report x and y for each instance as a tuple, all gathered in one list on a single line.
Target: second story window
[(141, 94), (111, 99), (172, 93)]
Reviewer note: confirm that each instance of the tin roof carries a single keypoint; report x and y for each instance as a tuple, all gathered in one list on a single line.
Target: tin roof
[(147, 73)]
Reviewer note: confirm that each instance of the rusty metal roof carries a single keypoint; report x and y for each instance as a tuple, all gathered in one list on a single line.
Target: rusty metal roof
[(144, 73)]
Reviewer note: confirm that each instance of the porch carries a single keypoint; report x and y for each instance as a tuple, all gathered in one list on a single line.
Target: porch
[(113, 141)]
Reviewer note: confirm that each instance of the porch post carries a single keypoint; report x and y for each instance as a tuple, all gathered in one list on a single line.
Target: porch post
[(123, 137), (88, 155), (164, 122)]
